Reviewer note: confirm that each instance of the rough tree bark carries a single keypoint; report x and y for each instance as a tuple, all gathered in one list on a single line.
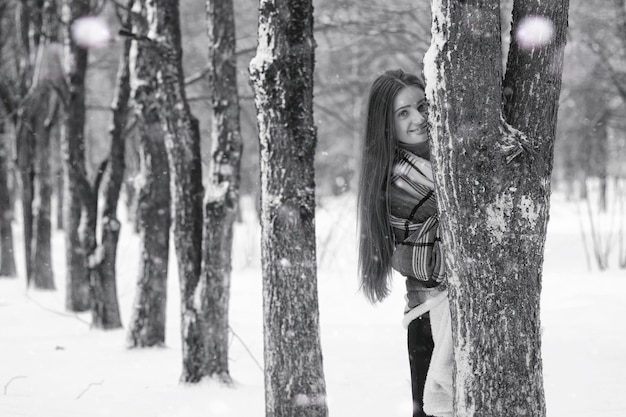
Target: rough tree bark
[(182, 140), (77, 296), (7, 257), (493, 173), (88, 286), (25, 152), (620, 9), (41, 261), (282, 78), (222, 194), (8, 102), (58, 178), (147, 327), (44, 114), (25, 19), (103, 253)]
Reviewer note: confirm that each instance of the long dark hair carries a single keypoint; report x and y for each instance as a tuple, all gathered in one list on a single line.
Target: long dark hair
[(376, 238)]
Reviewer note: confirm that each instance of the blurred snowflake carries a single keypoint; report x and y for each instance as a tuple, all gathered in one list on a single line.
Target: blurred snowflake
[(91, 32), (534, 32)]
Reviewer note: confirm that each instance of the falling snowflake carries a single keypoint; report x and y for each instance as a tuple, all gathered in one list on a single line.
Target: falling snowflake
[(91, 32), (534, 32)]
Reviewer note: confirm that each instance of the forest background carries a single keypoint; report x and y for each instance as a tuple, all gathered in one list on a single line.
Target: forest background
[(356, 40)]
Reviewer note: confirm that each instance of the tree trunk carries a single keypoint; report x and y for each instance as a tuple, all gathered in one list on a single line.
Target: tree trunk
[(42, 273), (58, 177), (620, 9), (25, 153), (73, 145), (103, 277), (222, 195), (7, 257), (493, 191), (182, 140), (282, 78), (147, 327), (38, 115)]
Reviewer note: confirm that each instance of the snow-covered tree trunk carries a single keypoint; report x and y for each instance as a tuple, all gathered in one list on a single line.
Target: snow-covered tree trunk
[(222, 194), (282, 78), (493, 183), (182, 140), (75, 174)]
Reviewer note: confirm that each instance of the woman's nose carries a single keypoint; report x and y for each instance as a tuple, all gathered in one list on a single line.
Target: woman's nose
[(418, 117)]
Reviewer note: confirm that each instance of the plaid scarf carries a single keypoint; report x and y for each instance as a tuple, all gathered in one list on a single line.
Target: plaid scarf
[(414, 220)]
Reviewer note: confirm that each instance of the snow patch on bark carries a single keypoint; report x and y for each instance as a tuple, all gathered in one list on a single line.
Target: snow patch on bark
[(498, 214), (136, 82), (96, 257), (215, 192), (264, 49), (304, 400), (437, 42), (463, 377), (529, 211)]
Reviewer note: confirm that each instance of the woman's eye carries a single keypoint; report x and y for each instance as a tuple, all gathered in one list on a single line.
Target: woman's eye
[(422, 108), (403, 113)]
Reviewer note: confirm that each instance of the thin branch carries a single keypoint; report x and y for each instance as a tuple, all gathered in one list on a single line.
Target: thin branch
[(99, 175), (246, 348), (193, 78), (87, 389), (606, 63), (58, 313), (6, 386)]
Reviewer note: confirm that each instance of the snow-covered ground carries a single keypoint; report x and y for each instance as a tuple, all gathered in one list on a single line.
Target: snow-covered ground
[(53, 365)]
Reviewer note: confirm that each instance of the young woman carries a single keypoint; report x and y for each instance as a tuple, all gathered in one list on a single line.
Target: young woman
[(399, 230)]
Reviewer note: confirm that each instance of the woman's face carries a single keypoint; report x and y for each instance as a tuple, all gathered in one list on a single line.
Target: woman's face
[(410, 116)]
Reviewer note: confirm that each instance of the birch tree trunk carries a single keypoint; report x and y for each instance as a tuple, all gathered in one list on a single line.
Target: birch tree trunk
[(147, 327), (493, 176), (222, 194), (182, 140), (75, 175), (282, 78)]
